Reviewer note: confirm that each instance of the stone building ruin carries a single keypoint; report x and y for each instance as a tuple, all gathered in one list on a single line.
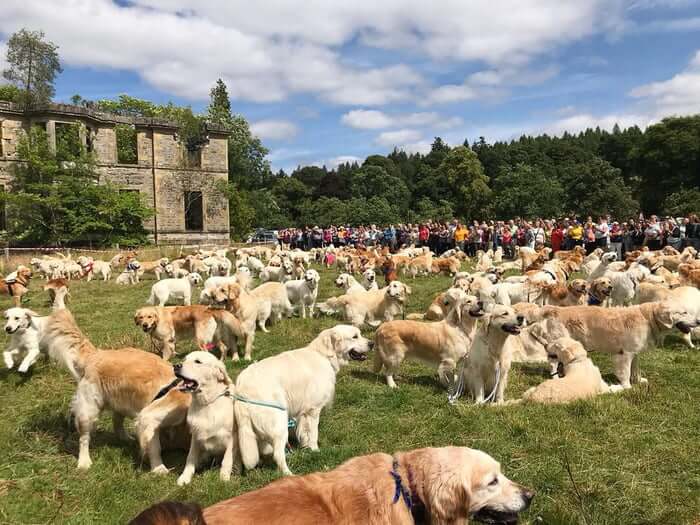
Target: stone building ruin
[(180, 185)]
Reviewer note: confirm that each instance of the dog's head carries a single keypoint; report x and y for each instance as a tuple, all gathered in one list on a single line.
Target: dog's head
[(565, 350), (312, 278), (194, 278), (200, 371), (468, 483), (608, 258), (146, 318), (342, 280), (469, 306), (370, 275), (397, 291), (227, 295), (504, 318), (601, 287), (578, 287), (18, 319), (343, 343), (671, 314), (288, 267)]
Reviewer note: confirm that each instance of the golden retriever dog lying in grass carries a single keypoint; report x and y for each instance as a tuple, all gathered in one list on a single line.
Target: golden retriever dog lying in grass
[(442, 344), (446, 485), (372, 307), (488, 365), (581, 378), (210, 415), (210, 328), (123, 381), (624, 332), (295, 384)]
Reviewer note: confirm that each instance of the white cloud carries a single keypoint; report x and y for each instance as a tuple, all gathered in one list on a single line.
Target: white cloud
[(3, 61), (342, 159), (282, 48), (274, 129), (395, 138), (421, 146), (450, 93), (374, 119), (676, 96)]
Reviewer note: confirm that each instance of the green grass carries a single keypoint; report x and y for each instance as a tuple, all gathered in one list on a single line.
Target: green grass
[(625, 459)]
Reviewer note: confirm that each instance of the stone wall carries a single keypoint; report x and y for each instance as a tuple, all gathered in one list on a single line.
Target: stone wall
[(170, 177)]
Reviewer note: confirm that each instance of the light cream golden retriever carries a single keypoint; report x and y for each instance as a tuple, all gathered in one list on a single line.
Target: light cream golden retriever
[(687, 296), (296, 384), (488, 365), (442, 344), (447, 485), (624, 332), (581, 379), (372, 307), (248, 309), (210, 415), (442, 303), (123, 381)]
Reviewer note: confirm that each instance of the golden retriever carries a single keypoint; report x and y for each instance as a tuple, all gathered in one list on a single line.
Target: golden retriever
[(624, 332), (442, 344), (210, 327), (488, 365), (210, 415), (581, 379), (434, 485), (371, 307), (123, 381), (295, 384), (571, 294), (17, 288)]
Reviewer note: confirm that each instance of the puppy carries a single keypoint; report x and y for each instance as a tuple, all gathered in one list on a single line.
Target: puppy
[(210, 416), (170, 289), (296, 384), (581, 379), (25, 329), (303, 293), (442, 344), (451, 485), (486, 372)]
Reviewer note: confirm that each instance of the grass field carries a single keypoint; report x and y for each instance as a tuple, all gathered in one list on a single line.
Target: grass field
[(631, 458)]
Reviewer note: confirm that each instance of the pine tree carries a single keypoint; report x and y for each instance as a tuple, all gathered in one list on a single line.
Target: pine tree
[(219, 110)]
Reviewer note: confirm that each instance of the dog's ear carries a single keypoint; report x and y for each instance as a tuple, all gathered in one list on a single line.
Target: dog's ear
[(221, 374), (449, 494), (31, 313), (663, 315), (407, 289)]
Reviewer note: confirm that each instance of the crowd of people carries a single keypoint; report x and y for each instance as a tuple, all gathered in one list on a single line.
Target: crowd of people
[(561, 234)]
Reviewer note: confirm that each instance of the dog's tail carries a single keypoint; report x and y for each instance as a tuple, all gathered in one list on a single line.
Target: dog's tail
[(247, 442), (152, 300), (65, 342), (330, 306)]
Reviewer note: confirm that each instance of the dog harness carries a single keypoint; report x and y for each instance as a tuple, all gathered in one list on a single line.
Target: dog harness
[(87, 268), (131, 267)]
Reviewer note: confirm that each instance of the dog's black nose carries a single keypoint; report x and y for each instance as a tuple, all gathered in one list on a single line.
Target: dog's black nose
[(177, 367), (370, 345), (480, 305), (520, 319), (528, 496), (8, 329)]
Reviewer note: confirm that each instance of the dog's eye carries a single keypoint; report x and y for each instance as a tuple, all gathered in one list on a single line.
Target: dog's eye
[(494, 482), (197, 361), (356, 337)]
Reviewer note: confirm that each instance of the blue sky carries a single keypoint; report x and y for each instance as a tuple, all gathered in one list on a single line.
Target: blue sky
[(325, 81)]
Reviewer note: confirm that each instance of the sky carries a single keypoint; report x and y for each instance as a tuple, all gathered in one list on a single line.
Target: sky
[(329, 81)]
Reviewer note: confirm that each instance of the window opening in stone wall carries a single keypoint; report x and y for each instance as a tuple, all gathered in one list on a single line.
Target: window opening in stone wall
[(194, 211), (3, 209), (127, 151), (68, 145), (193, 158)]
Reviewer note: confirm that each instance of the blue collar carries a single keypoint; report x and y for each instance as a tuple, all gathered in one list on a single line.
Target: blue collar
[(593, 300)]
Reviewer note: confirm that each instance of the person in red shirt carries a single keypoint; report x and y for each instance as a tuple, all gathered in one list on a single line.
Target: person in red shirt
[(423, 235), (557, 238)]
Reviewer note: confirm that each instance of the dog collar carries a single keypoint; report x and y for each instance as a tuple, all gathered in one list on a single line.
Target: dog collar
[(550, 274), (407, 494), (593, 300)]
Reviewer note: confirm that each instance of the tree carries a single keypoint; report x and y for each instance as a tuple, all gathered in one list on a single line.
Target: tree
[(33, 66), (60, 202), (465, 179), (682, 203), (219, 110), (10, 93), (522, 191)]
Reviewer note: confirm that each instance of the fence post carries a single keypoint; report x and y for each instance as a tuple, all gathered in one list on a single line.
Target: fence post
[(7, 255)]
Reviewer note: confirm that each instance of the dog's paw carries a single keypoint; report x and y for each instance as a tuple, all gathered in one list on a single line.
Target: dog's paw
[(183, 480), (225, 476), (643, 381), (614, 389), (84, 464), (23, 369), (160, 470)]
